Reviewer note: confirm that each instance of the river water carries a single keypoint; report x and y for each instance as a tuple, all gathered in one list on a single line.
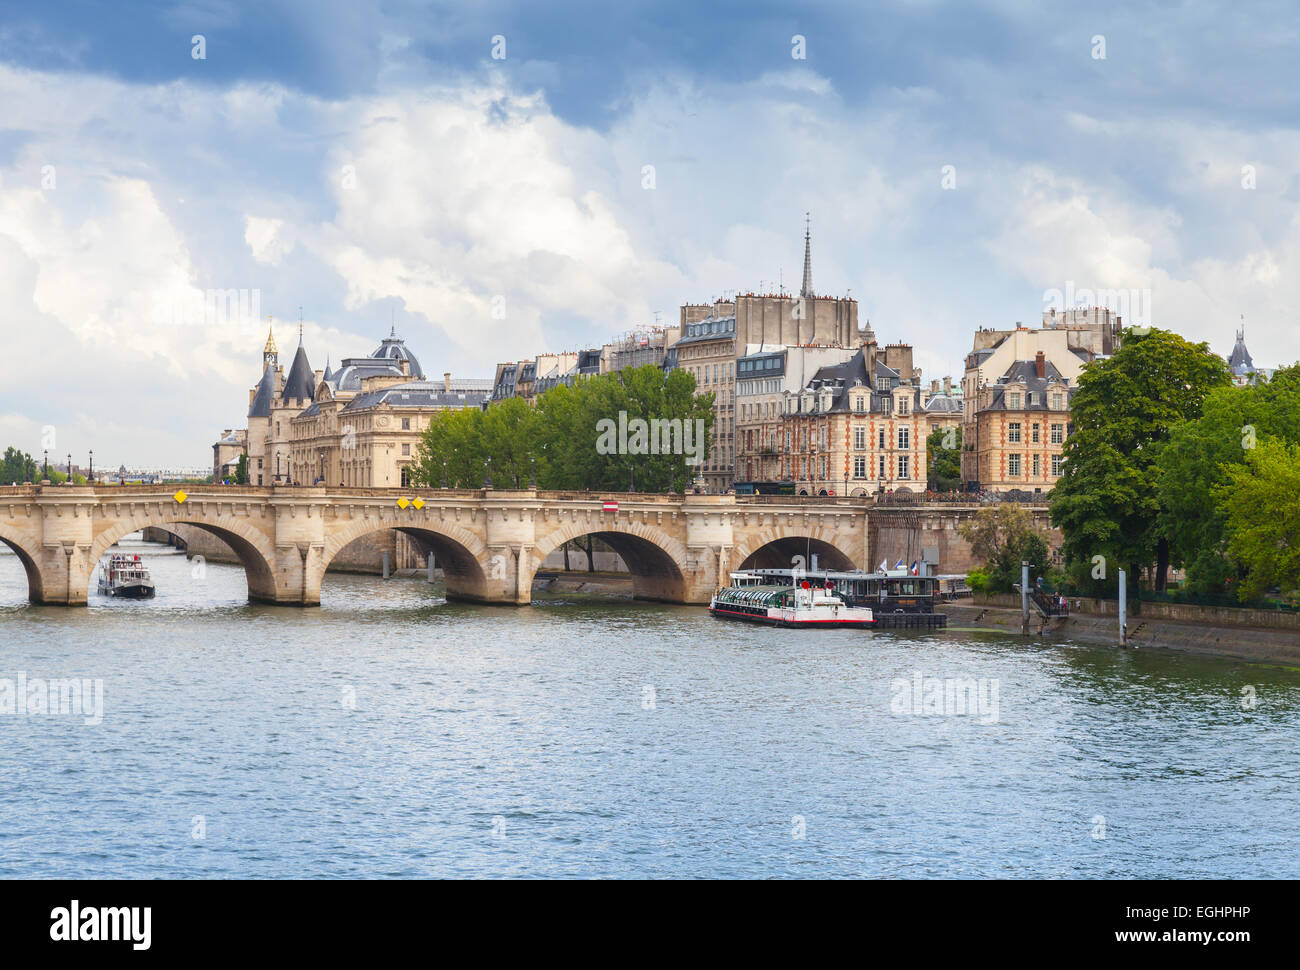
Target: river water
[(391, 734)]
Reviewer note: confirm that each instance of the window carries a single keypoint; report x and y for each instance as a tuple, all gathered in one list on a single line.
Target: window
[(1035, 432), (904, 463), (406, 425), (859, 466), (1013, 402), (1058, 402), (1013, 433), (904, 438), (860, 404), (1037, 471), (882, 466), (1058, 433), (406, 476), (1013, 466), (860, 438), (882, 439), (406, 449), (1057, 462), (902, 405)]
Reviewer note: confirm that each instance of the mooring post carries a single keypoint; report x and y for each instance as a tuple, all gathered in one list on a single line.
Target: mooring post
[(429, 565), (385, 564), (1123, 609), (1024, 597)]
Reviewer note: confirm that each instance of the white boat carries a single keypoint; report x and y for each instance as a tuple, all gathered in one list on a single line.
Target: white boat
[(125, 576), (748, 599)]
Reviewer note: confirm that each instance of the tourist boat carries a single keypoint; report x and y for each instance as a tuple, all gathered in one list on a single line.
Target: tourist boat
[(747, 598), (125, 576), (897, 597)]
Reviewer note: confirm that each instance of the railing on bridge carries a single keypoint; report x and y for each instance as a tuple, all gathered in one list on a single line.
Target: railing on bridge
[(1049, 604)]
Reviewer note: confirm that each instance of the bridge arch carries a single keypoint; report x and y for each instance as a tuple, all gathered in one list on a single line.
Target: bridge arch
[(466, 562), (776, 547), (253, 548), (656, 561), (30, 557)]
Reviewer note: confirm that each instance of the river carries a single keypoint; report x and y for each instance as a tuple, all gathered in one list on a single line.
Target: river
[(391, 734)]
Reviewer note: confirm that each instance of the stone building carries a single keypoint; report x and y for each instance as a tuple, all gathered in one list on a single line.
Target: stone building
[(1013, 379), (1021, 423), (855, 428)]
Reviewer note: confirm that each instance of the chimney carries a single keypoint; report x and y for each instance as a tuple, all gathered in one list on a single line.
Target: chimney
[(446, 381), (934, 386), (947, 385), (1040, 365)]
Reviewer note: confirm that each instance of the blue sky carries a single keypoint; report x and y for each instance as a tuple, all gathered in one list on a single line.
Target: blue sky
[(372, 161)]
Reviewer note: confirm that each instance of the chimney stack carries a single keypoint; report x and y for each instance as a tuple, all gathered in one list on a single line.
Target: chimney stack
[(1040, 365), (947, 385), (446, 381)]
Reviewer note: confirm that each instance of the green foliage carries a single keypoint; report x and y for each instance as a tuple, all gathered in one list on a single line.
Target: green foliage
[(241, 470), (1003, 535), (1200, 458), (17, 466), (945, 463), (1123, 412), (1262, 518), (979, 580), (561, 433)]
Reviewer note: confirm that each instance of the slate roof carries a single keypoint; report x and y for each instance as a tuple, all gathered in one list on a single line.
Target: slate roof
[(1240, 362), (261, 406), (418, 394), (301, 383), (394, 348), (1037, 388)]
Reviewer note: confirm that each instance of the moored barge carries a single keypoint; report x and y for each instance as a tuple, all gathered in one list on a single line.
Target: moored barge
[(805, 605)]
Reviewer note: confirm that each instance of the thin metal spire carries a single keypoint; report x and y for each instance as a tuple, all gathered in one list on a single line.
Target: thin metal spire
[(806, 290)]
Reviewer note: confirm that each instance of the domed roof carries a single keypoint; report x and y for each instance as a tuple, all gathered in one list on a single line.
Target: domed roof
[(394, 348)]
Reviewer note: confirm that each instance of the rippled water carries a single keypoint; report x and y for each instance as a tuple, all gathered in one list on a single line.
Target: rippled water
[(616, 739)]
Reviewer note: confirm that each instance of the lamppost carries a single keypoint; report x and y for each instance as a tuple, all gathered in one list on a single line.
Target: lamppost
[(532, 472), (846, 483), (69, 481), (277, 468), (487, 481), (322, 467), (444, 473), (92, 466), (46, 475)]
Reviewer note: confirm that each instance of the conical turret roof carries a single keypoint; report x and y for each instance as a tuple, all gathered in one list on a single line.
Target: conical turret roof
[(300, 384), (261, 406)]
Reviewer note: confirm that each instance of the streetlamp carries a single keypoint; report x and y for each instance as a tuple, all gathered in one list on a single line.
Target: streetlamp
[(444, 473), (92, 466), (69, 481), (532, 472), (322, 467), (846, 483), (46, 475), (487, 481), (277, 468)]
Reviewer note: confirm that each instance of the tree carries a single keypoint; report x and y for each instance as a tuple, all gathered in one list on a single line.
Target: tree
[(1262, 517), (241, 470), (1198, 460), (1003, 536), (1125, 407), (17, 466), (572, 435), (943, 452)]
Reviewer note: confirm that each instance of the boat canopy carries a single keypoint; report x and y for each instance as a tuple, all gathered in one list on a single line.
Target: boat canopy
[(761, 596)]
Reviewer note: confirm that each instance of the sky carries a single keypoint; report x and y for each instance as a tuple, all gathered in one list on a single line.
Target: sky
[(497, 180)]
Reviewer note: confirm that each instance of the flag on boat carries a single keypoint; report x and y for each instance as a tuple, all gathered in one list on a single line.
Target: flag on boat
[(899, 565), (884, 565), (913, 568)]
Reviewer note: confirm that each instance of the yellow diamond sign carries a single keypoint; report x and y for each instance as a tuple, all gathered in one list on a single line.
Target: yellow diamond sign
[(180, 495), (402, 503), (418, 503)]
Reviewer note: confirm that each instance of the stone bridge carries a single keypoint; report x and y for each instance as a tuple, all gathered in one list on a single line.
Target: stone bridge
[(490, 543)]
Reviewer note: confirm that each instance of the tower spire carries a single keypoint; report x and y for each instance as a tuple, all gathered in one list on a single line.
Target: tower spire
[(806, 290), (269, 353), (299, 326)]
